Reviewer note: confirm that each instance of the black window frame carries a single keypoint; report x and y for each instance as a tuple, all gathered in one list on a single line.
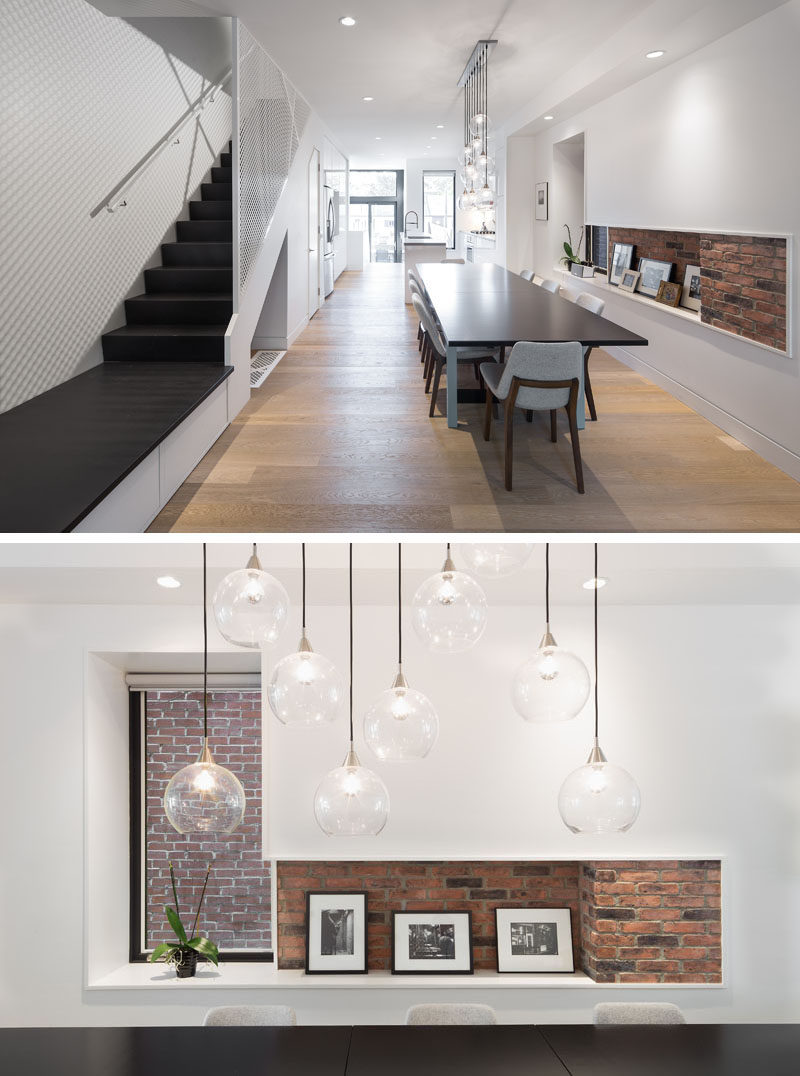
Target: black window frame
[(440, 172), (137, 953)]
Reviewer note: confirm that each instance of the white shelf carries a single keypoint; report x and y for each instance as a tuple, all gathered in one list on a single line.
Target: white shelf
[(602, 283)]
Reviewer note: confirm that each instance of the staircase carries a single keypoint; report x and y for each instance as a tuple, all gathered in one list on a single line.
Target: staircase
[(188, 300)]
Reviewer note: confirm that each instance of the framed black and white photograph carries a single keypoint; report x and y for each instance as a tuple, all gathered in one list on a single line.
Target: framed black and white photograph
[(336, 933), (534, 940), (652, 275), (690, 292), (620, 260), (432, 943), (540, 201), (630, 279)]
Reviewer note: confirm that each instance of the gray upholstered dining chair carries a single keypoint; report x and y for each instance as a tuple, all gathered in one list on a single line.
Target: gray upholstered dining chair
[(414, 285), (527, 274), (437, 351), (597, 306), (453, 261), (551, 285), (616, 1013), (250, 1016), (451, 1014), (536, 377)]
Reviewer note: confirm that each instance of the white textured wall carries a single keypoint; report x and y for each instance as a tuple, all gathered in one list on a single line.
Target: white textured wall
[(700, 703), (84, 98), (706, 143)]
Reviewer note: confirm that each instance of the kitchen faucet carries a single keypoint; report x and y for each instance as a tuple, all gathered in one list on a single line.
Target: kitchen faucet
[(405, 220)]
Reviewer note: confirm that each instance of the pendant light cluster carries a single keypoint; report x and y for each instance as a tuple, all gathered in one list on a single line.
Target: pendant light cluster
[(250, 606), (449, 610), (477, 167)]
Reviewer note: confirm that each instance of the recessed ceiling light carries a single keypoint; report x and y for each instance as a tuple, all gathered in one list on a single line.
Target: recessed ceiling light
[(548, 116), (433, 138), (656, 54), (168, 581), (367, 98), (439, 126), (378, 138), (595, 584), (347, 20)]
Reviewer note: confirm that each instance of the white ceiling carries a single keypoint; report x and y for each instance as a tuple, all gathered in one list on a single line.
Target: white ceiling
[(676, 573), (557, 56)]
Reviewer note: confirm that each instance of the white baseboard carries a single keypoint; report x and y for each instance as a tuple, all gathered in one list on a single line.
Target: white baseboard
[(770, 450), (278, 343)]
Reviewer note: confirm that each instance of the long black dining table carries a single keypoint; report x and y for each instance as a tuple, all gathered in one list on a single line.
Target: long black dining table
[(488, 306), (500, 1050)]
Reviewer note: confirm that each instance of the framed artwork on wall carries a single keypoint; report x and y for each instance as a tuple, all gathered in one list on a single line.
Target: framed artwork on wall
[(336, 933), (620, 259), (432, 943), (652, 275), (669, 294), (690, 292), (534, 940), (630, 279), (540, 201)]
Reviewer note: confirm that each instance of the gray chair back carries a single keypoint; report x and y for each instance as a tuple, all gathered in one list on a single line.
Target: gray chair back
[(451, 1014), (551, 285), (590, 302), (527, 274), (250, 1016), (428, 324), (453, 261), (615, 1013), (541, 362)]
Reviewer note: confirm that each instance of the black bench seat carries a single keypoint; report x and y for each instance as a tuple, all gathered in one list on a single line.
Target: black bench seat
[(62, 452)]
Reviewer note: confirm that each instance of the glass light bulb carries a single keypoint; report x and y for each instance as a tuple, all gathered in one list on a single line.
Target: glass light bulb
[(305, 689), (599, 798), (470, 171), (495, 559), (401, 725), (480, 126), (204, 798), (449, 612), (351, 801), (485, 198), (250, 608), (553, 685)]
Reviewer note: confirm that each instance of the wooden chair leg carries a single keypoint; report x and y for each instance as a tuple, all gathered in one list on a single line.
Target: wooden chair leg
[(587, 386), (529, 416), (419, 337), (429, 365), (509, 443), (553, 427), (487, 416), (572, 415), (476, 366), (439, 363)]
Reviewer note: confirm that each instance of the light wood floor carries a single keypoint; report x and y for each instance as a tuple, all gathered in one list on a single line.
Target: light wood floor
[(339, 439)]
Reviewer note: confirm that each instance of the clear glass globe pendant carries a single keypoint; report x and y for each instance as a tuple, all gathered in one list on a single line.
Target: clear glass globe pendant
[(204, 797), (250, 606), (599, 798), (305, 688), (495, 559), (351, 801), (449, 610)]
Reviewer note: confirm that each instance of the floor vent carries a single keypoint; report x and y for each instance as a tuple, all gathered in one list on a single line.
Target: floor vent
[(261, 366)]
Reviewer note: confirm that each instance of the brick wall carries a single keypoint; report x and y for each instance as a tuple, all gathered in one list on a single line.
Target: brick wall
[(742, 278), (651, 922), (236, 909), (480, 887)]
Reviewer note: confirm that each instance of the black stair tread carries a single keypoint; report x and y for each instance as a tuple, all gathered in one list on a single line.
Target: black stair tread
[(169, 330), (187, 296)]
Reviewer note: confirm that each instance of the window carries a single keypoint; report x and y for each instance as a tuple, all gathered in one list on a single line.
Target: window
[(376, 207), (367, 184), (439, 206), (166, 730)]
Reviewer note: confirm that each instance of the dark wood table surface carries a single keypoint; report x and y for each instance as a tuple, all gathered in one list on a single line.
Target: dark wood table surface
[(486, 305), (686, 1050)]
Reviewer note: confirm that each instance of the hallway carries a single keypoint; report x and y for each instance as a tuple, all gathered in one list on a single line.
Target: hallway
[(338, 439)]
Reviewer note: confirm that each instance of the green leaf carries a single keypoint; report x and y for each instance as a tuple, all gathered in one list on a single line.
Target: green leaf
[(176, 924), (206, 948), (159, 951)]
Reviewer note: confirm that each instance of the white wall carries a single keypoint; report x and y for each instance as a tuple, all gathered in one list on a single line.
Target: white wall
[(85, 97), (703, 143), (700, 703)]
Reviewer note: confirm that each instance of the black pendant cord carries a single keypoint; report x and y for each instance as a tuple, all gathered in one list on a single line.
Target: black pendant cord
[(205, 651), (547, 584), (399, 603), (596, 588), (303, 547), (351, 643)]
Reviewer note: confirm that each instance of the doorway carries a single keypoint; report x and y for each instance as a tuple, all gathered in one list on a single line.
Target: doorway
[(376, 208), (314, 236)]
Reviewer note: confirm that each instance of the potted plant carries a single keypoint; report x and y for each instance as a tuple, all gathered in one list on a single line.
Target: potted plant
[(572, 256), (183, 954)]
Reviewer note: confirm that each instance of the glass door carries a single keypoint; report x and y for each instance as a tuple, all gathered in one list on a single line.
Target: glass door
[(383, 232)]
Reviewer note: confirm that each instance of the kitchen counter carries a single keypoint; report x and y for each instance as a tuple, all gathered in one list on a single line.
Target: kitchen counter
[(420, 250)]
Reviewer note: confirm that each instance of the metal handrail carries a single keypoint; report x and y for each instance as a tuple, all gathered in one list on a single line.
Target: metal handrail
[(116, 200)]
